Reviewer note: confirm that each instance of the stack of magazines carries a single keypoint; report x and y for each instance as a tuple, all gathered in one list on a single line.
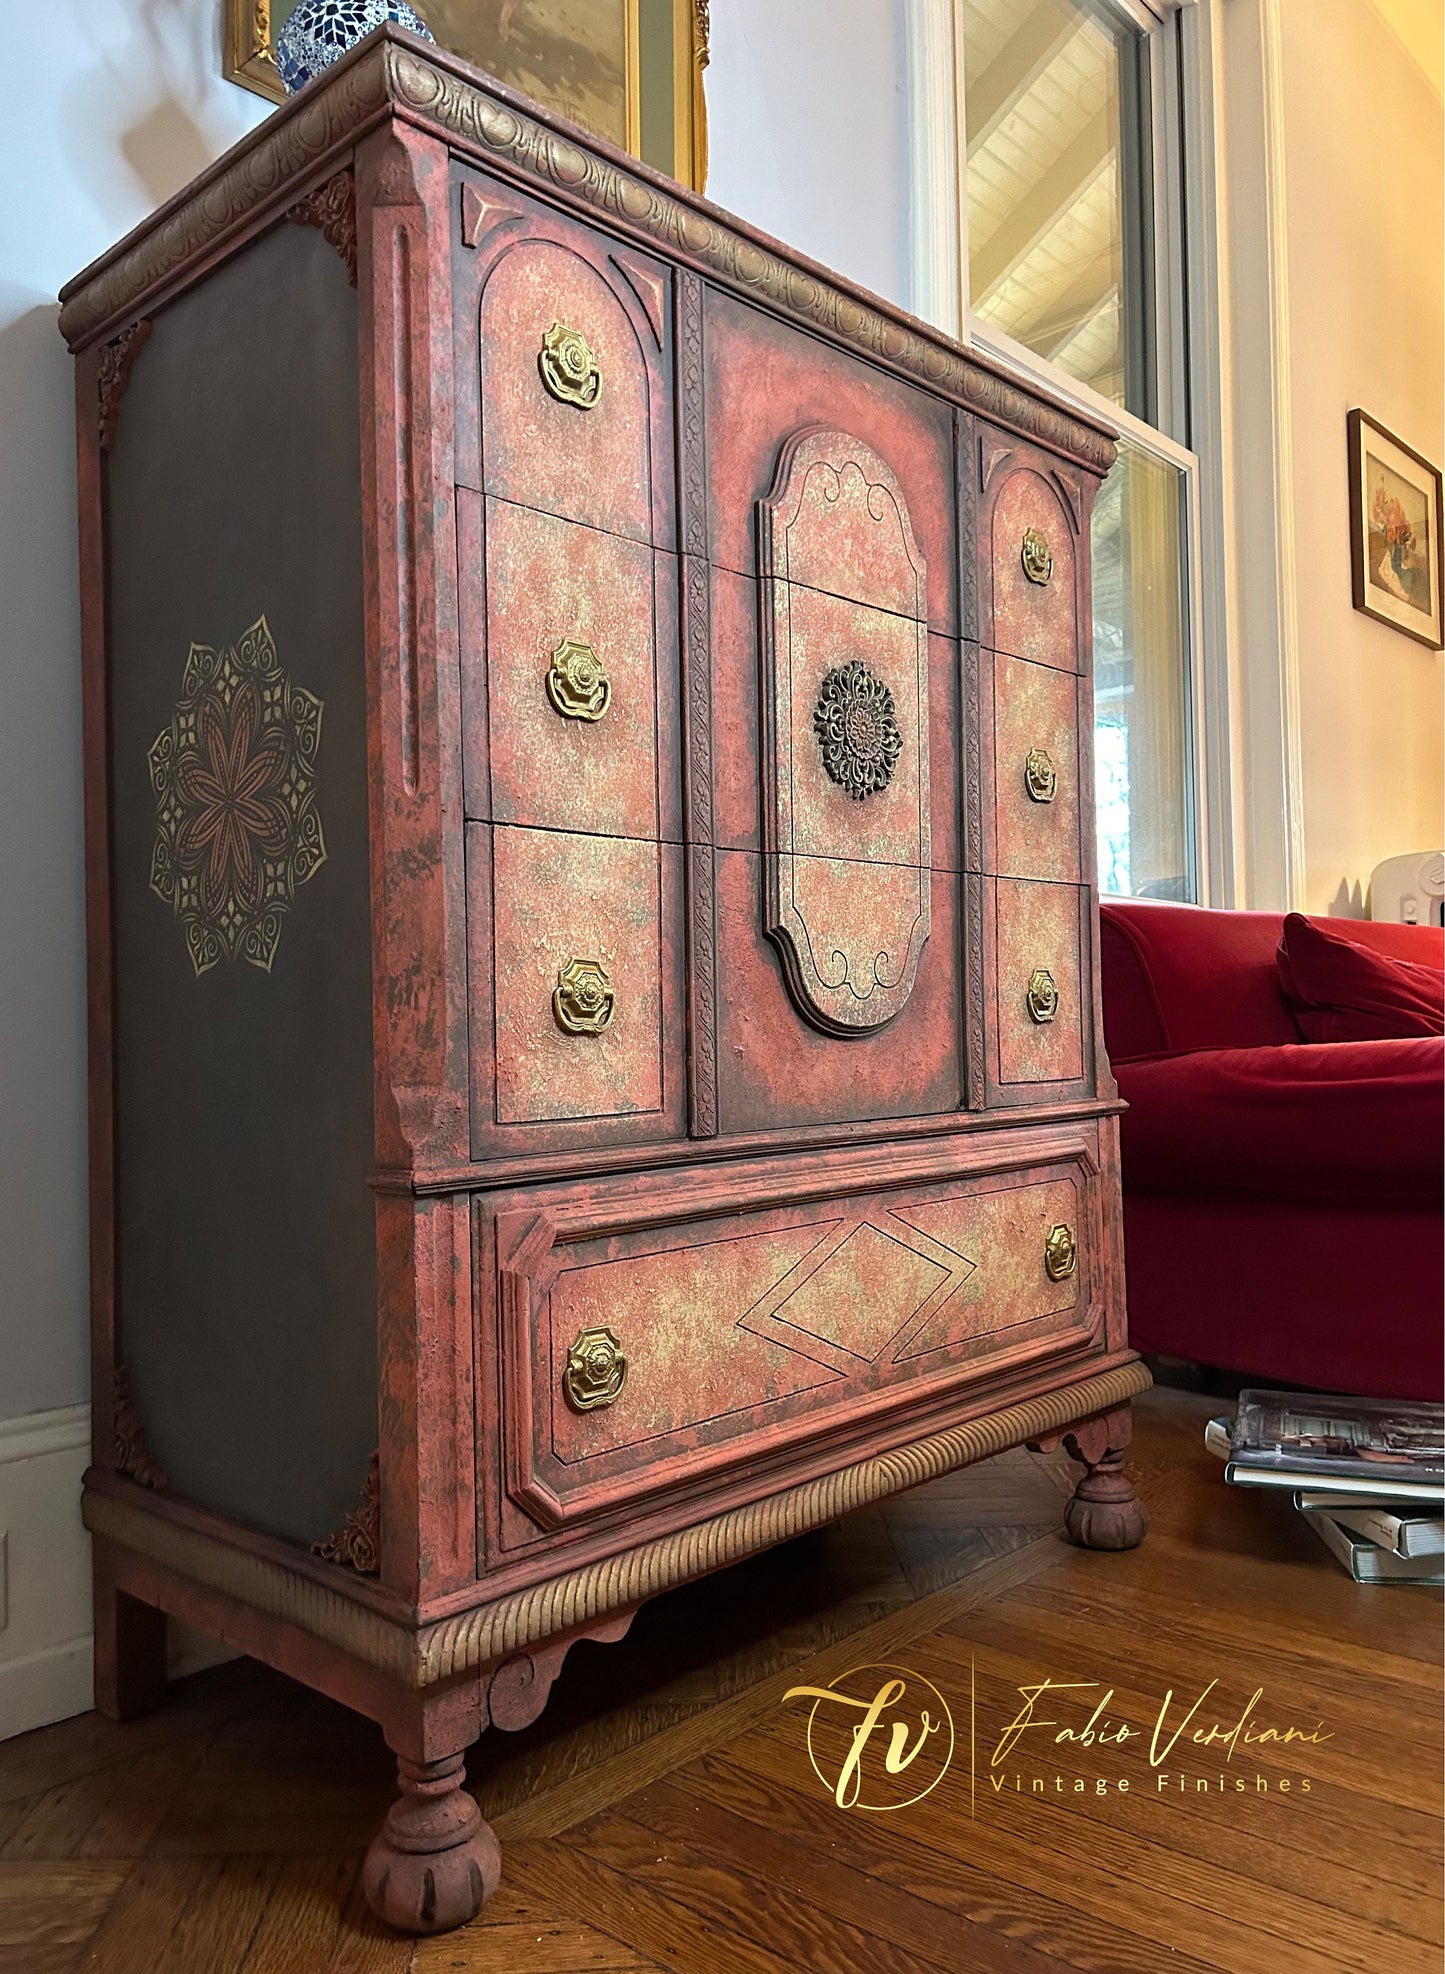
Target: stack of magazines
[(1367, 1474)]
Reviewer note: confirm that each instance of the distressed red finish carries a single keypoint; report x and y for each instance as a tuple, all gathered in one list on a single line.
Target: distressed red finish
[(1033, 714), (747, 1333), (776, 1068), (737, 777), (763, 383), (522, 271), (552, 584), (796, 1268), (542, 898)]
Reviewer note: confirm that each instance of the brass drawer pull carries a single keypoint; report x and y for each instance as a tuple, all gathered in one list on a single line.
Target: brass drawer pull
[(569, 367), (583, 1001), (1061, 1252), (1041, 777), (596, 1370), (577, 684), (1037, 560), (1043, 995)]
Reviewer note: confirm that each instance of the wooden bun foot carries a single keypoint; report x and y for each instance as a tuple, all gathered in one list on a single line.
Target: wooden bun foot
[(1105, 1512), (435, 1861)]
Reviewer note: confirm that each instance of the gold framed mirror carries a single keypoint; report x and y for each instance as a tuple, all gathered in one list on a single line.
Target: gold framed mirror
[(628, 70)]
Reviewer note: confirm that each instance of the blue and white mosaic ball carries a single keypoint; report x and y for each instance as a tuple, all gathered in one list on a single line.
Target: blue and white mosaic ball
[(322, 30)]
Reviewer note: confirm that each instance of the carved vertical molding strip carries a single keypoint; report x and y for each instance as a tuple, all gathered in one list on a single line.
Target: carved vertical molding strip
[(691, 414), (133, 1456), (114, 374), (972, 697), (966, 477), (697, 680), (970, 694), (331, 208), (973, 992)]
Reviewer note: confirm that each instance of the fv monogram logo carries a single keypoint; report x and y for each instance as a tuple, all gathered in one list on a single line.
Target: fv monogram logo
[(879, 1737)]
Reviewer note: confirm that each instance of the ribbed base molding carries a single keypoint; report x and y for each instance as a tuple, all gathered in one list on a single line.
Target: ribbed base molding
[(480, 1637)]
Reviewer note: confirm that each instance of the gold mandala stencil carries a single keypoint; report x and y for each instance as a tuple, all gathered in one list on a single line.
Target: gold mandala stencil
[(234, 780)]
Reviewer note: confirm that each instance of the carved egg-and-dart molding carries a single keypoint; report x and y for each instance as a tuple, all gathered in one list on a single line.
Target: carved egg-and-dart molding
[(845, 700)]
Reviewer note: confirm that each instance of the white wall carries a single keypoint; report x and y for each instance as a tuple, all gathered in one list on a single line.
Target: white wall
[(807, 108), (109, 106), (1364, 136)]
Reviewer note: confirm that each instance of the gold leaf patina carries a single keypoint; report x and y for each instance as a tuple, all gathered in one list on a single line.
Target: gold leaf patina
[(1043, 995), (1041, 777)]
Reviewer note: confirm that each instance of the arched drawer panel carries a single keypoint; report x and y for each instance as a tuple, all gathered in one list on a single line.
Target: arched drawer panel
[(564, 398), (1033, 587)]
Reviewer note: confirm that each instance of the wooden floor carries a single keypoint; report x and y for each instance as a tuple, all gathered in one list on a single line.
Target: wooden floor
[(664, 1814)]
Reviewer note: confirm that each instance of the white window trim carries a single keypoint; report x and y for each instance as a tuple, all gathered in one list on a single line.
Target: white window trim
[(938, 164), (1247, 397)]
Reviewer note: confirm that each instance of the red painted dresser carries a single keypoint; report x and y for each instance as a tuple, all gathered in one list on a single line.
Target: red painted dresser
[(593, 958)]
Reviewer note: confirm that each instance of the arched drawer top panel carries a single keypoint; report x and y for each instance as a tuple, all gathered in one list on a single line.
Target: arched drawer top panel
[(1032, 544), (838, 521), (565, 391)]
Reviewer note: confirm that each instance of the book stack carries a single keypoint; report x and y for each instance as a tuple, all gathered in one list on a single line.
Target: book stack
[(1367, 1474)]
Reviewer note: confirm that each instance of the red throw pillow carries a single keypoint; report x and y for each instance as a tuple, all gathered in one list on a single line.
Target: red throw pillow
[(1341, 992)]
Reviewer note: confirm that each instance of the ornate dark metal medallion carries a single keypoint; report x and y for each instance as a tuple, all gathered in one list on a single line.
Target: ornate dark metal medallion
[(857, 729)]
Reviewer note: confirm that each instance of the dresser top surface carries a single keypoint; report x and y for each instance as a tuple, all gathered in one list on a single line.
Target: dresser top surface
[(394, 76)]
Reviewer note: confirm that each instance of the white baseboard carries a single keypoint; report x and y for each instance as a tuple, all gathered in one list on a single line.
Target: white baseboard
[(45, 1642), (44, 1686), (45, 1609)]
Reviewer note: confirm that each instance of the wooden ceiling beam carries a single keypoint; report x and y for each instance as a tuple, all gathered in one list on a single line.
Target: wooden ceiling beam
[(998, 89), (1041, 207)]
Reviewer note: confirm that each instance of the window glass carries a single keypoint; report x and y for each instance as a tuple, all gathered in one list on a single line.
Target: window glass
[(1140, 673), (1057, 189)]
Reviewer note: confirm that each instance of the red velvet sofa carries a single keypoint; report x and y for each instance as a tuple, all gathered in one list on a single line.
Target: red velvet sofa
[(1282, 1198)]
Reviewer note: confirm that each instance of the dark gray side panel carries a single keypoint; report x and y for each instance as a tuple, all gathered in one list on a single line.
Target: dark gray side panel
[(246, 1294)]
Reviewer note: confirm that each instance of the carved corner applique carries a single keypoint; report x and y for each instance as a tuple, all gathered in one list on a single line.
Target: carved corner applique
[(357, 1543), (132, 1456), (238, 828), (331, 208), (648, 287), (115, 361)]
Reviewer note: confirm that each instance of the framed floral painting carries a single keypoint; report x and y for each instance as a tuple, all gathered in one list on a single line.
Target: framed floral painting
[(1395, 532)]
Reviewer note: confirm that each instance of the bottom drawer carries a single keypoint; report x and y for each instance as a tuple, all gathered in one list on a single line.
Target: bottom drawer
[(659, 1336)]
